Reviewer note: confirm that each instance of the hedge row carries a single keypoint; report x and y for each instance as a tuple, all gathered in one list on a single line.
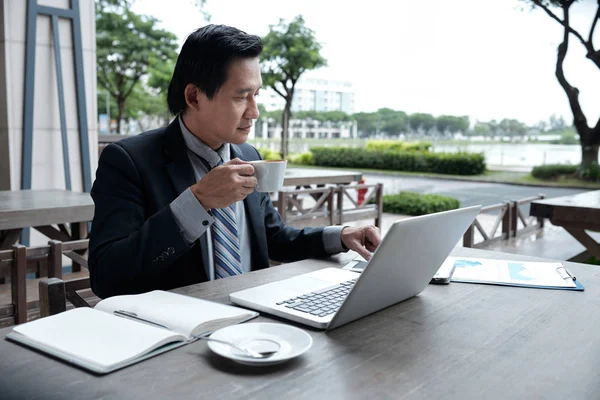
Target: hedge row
[(441, 163), (267, 154), (590, 172), (397, 145), (410, 203)]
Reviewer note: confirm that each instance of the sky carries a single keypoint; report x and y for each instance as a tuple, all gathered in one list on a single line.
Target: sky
[(489, 59)]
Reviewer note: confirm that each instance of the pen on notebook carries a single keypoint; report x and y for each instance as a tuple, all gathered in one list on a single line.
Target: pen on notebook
[(132, 315)]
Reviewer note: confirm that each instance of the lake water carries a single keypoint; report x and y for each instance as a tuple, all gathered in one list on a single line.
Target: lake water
[(526, 154), (506, 154)]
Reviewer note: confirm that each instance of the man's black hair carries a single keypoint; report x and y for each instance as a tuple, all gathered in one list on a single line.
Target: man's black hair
[(205, 58)]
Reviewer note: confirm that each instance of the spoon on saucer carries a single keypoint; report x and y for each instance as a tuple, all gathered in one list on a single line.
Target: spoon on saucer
[(273, 347)]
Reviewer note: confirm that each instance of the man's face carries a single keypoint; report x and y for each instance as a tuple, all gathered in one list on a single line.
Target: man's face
[(227, 118)]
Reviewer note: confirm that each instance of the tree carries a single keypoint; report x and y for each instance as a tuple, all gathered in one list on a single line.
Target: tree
[(557, 123), (482, 129), (417, 121), (589, 136), (452, 124), (367, 123), (289, 51), (126, 45)]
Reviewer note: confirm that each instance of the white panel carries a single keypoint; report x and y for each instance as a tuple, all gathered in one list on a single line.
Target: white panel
[(3, 88), (88, 25), (4, 160), (15, 138), (56, 3), (14, 20), (45, 108), (15, 74)]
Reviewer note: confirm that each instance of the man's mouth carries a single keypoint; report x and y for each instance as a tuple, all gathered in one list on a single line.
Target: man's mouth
[(245, 127)]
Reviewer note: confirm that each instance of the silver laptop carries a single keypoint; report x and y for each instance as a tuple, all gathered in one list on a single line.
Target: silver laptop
[(401, 267)]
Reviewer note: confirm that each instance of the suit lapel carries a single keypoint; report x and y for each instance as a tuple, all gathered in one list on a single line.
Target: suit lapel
[(179, 167)]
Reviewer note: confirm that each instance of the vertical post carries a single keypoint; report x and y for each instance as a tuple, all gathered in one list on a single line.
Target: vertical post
[(52, 297), (18, 284), (78, 231), (332, 215), (379, 202), (27, 161), (84, 140), (340, 204), (507, 220), (108, 110), (514, 218), (61, 102), (540, 220), (469, 237), (55, 259), (282, 205)]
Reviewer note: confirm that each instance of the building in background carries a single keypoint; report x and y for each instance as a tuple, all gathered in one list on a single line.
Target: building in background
[(268, 128), (314, 94)]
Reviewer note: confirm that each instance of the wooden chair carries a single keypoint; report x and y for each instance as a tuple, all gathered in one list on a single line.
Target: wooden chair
[(13, 262), (56, 293)]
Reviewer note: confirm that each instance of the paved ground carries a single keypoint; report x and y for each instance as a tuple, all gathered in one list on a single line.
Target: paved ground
[(469, 193)]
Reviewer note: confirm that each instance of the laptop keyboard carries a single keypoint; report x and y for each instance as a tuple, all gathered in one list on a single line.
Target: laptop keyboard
[(321, 302)]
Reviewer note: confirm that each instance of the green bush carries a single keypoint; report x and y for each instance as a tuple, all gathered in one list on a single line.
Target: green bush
[(268, 154), (589, 172), (553, 171), (441, 163), (302, 158), (568, 137), (397, 145), (410, 203)]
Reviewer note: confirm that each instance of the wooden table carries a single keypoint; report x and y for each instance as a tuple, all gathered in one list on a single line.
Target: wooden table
[(304, 177), (575, 213), (456, 341), (40, 209)]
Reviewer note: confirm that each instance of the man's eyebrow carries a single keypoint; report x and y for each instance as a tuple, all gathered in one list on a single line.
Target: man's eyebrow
[(247, 90)]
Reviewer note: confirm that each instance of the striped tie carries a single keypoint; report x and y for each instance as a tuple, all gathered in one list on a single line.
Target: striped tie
[(226, 243)]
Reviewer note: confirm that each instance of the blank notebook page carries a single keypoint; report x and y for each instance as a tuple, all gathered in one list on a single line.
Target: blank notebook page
[(95, 336)]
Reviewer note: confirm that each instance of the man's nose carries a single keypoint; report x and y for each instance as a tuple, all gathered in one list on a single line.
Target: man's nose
[(252, 110)]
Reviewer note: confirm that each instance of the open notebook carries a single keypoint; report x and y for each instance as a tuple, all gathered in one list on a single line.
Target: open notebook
[(100, 341)]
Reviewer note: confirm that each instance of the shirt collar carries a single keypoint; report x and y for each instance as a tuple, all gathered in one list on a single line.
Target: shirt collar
[(196, 146)]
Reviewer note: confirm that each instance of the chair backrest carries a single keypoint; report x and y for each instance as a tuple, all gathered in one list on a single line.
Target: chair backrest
[(54, 294), (14, 264)]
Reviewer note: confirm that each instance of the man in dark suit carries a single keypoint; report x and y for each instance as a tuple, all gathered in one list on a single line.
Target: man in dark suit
[(177, 206)]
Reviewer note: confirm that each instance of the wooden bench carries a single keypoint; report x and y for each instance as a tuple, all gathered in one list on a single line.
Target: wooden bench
[(520, 233), (331, 205)]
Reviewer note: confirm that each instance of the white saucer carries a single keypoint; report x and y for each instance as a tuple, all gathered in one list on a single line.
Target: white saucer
[(293, 341)]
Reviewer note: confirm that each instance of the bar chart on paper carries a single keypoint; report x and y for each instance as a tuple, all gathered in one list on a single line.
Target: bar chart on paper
[(513, 273)]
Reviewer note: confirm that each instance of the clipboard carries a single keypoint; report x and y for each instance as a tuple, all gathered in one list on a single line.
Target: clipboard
[(561, 271)]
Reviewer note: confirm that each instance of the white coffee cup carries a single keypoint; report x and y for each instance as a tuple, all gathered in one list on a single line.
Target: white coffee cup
[(269, 174)]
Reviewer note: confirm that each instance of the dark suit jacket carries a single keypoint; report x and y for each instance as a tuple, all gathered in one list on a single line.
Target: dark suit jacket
[(136, 244)]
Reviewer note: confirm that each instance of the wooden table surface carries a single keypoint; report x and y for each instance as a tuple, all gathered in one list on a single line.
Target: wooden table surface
[(582, 208), (456, 341), (27, 208), (576, 214), (317, 176)]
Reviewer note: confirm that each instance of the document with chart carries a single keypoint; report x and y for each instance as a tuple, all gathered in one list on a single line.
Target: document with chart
[(548, 275)]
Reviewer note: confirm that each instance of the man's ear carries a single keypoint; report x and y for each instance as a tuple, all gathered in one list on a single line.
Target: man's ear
[(192, 96)]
